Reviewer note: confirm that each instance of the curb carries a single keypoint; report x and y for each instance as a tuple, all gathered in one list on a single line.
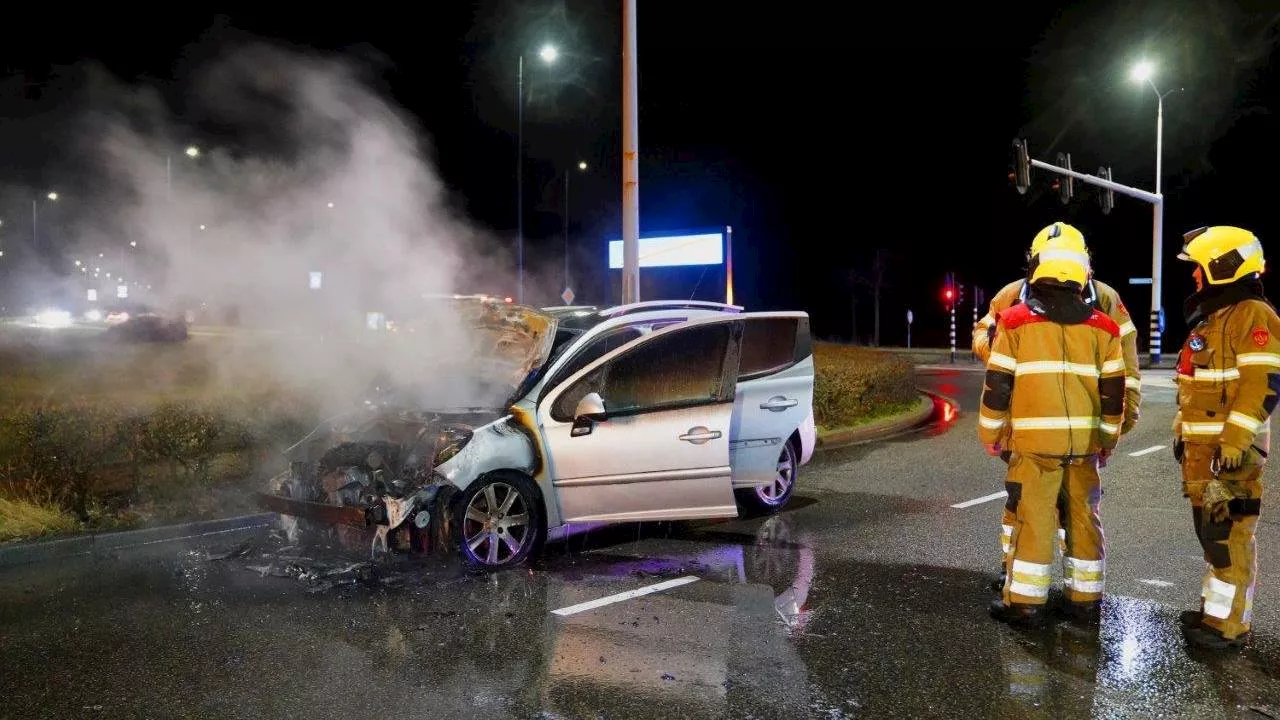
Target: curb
[(879, 429), (34, 551)]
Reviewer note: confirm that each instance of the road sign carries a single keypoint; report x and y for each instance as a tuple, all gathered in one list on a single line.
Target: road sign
[(313, 279), (567, 296), (1139, 281), (910, 317), (122, 291), (93, 295)]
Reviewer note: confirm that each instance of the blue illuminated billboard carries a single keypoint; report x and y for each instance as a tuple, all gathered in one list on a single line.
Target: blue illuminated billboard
[(673, 251)]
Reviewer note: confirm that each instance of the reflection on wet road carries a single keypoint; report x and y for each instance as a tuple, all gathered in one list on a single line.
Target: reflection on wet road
[(866, 598)]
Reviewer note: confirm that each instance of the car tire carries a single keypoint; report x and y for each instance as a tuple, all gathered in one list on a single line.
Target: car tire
[(769, 499), (483, 520)]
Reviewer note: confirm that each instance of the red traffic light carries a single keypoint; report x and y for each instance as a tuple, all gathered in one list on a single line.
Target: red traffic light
[(947, 294)]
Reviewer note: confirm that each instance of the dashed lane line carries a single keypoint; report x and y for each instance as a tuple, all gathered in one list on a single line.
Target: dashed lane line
[(1147, 451), (609, 600), (979, 501)]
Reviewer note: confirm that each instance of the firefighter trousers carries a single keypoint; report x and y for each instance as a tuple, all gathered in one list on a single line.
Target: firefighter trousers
[(1231, 565), (1036, 485), (1006, 530)]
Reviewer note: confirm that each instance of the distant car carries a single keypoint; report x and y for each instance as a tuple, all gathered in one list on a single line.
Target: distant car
[(651, 411), (149, 327)]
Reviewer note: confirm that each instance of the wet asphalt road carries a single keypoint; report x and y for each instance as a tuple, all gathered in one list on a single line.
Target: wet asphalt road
[(866, 598)]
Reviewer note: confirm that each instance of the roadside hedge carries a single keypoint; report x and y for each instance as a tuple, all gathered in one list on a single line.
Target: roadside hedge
[(855, 384), (87, 458)]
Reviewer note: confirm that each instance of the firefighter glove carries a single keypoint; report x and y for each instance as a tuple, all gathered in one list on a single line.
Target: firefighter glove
[(1127, 425), (1217, 502), (1178, 447), (1231, 457)]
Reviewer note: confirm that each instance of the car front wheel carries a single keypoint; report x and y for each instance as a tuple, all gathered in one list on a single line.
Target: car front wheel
[(500, 521)]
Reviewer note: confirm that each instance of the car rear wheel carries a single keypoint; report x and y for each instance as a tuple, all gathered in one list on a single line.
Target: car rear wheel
[(773, 496), (500, 521)]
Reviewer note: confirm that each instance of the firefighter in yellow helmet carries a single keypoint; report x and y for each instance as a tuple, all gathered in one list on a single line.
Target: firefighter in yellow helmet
[(1097, 293), (1054, 401), (1228, 379)]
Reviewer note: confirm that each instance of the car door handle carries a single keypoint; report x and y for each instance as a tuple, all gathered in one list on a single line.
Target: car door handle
[(778, 403), (699, 435)]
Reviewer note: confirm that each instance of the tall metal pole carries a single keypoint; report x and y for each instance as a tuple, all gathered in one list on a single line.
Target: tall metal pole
[(728, 264), (567, 172), (1157, 231), (168, 177), (630, 160), (520, 181), (35, 232)]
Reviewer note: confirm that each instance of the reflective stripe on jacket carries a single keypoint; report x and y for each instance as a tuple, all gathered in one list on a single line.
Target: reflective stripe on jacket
[(1229, 377), (1059, 388)]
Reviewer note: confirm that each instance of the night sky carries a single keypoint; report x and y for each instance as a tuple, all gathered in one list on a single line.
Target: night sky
[(820, 137)]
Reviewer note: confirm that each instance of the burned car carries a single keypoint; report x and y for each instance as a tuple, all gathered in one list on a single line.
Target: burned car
[(650, 411)]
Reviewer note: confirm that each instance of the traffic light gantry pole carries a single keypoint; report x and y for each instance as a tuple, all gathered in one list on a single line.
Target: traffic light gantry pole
[(1022, 180)]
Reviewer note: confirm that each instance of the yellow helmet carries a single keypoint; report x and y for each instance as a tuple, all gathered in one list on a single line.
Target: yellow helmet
[(1225, 253), (1061, 259), (1061, 232)]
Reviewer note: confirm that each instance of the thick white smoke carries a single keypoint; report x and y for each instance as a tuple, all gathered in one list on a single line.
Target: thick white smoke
[(348, 192)]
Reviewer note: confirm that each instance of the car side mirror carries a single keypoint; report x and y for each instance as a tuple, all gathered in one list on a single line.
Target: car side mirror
[(590, 411)]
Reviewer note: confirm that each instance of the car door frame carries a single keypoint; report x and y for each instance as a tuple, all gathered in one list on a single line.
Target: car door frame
[(755, 456), (713, 482)]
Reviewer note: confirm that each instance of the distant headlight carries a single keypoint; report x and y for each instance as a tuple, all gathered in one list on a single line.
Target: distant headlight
[(450, 443), (53, 318), (93, 315)]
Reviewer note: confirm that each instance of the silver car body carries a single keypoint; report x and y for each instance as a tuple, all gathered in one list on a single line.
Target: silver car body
[(661, 463)]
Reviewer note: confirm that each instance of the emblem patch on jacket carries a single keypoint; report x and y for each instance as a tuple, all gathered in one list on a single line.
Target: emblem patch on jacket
[(1197, 342), (1261, 336)]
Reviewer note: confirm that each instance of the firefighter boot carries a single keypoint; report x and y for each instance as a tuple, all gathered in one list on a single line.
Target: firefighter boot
[(1016, 614)]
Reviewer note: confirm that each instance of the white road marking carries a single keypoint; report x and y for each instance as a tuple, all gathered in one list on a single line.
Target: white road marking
[(1157, 583), (1148, 451), (609, 600), (979, 501)]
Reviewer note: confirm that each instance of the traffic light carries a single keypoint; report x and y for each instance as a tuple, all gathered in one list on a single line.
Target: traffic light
[(1021, 166), (1066, 186), (1106, 198), (949, 290)]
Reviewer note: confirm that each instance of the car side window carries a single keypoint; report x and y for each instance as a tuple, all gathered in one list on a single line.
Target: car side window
[(595, 350), (768, 346), (680, 369)]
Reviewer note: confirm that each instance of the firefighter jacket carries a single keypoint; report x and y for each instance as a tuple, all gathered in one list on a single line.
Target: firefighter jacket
[(1102, 296), (1059, 388), (1229, 376)]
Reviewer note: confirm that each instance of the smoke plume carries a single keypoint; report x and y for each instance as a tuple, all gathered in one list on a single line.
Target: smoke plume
[(324, 175)]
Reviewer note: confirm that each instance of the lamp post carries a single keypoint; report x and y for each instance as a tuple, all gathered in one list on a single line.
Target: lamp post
[(582, 167), (630, 159), (35, 218), (1142, 74), (548, 54), (192, 152)]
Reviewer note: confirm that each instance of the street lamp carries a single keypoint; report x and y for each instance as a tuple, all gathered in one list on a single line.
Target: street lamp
[(548, 53), (582, 167), (35, 218), (192, 152), (1142, 73)]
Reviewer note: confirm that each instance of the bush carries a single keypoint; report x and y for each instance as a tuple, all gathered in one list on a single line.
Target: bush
[(854, 384), (82, 457)]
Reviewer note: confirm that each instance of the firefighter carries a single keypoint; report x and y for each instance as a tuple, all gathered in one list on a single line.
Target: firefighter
[(1228, 378), (1056, 383), (1098, 293)]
